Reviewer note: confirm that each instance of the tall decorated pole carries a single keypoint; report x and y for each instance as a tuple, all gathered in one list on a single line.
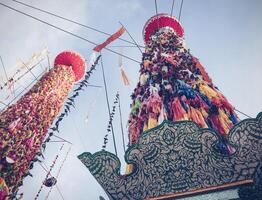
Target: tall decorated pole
[(25, 124), (184, 137), (173, 85)]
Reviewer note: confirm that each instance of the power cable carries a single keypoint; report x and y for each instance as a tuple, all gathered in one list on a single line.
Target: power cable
[(57, 175), (107, 101), (65, 31), (243, 113), (59, 191), (132, 38), (172, 8), (23, 91), (95, 86), (69, 20), (29, 70), (180, 11), (7, 79), (4, 68), (157, 14), (49, 172), (129, 46), (78, 134), (121, 123), (12, 80), (63, 140), (49, 66)]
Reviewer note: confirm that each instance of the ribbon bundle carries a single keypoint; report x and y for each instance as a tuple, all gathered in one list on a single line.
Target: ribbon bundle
[(174, 83)]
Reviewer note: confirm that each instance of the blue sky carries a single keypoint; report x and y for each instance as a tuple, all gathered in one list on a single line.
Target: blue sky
[(225, 35)]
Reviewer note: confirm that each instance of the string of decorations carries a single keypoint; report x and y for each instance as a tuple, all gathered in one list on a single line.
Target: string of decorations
[(109, 126), (49, 172), (12, 79), (26, 123), (59, 170), (70, 103)]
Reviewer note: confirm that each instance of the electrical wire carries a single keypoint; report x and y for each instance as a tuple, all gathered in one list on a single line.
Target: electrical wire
[(57, 175), (66, 31), (243, 113), (128, 46), (59, 191), (11, 80), (121, 123), (8, 83), (22, 91), (172, 8), (180, 11), (69, 20), (157, 13), (107, 101), (78, 134), (29, 70), (48, 60), (132, 38), (4, 68), (49, 172)]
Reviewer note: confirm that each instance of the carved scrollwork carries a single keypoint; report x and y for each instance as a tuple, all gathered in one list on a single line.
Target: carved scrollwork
[(179, 157)]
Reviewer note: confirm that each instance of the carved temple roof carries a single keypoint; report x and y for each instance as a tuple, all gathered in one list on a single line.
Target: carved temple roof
[(180, 158)]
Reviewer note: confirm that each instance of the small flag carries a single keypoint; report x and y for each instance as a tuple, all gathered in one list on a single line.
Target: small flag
[(113, 37)]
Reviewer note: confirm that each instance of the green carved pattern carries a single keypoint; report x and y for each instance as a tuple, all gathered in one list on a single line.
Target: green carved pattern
[(178, 157)]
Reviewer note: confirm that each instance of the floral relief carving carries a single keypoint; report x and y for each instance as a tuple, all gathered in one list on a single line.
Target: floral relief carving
[(179, 157)]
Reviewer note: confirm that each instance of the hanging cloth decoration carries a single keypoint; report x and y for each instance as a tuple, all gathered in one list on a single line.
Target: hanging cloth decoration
[(124, 77), (122, 72), (113, 37), (99, 47)]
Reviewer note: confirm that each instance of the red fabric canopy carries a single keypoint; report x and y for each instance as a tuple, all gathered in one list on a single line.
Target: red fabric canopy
[(73, 59), (159, 21)]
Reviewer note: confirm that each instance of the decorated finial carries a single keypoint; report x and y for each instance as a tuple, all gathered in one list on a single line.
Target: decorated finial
[(73, 59), (160, 21)]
